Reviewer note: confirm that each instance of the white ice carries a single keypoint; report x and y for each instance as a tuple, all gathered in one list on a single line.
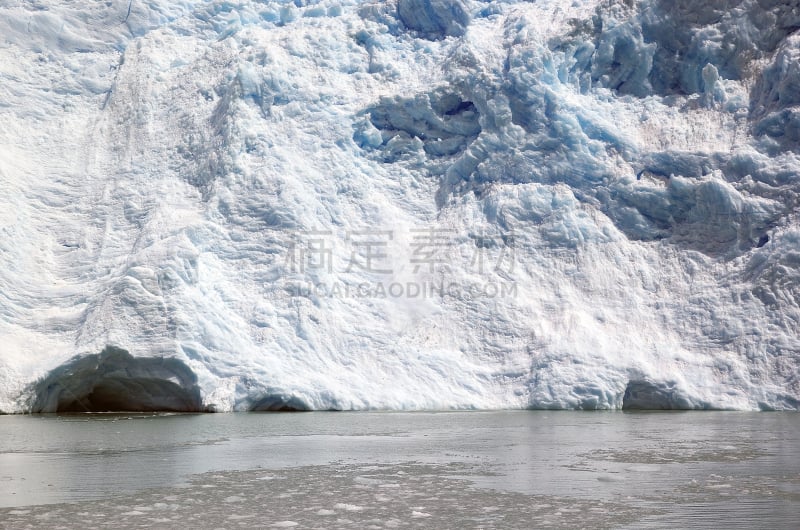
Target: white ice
[(161, 162)]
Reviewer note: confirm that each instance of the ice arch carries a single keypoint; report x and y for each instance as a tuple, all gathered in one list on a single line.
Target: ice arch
[(115, 381)]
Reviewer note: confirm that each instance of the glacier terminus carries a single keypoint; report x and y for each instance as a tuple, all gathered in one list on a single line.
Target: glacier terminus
[(236, 205)]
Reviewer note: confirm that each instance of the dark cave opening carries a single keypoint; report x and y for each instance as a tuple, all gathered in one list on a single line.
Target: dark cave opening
[(115, 381)]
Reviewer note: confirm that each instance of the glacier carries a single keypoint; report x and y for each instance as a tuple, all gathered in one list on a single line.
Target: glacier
[(234, 205)]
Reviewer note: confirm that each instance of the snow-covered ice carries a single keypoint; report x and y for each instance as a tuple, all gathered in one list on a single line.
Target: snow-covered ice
[(412, 204)]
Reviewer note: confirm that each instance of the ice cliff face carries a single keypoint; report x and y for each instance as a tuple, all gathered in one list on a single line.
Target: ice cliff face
[(241, 205)]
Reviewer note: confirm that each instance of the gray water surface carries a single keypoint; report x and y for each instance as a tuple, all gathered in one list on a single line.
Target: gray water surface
[(402, 470)]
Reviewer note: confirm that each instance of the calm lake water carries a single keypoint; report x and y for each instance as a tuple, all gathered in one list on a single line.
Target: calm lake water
[(402, 470)]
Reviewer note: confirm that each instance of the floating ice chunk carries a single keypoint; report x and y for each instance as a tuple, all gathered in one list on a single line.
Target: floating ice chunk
[(348, 507)]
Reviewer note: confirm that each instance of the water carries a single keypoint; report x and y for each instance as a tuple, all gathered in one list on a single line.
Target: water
[(402, 470)]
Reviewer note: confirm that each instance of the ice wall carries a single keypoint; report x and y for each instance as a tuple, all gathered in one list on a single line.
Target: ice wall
[(206, 205)]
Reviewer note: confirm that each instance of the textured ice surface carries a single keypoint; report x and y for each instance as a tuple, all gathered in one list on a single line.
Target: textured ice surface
[(409, 495), (419, 470), (633, 166)]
